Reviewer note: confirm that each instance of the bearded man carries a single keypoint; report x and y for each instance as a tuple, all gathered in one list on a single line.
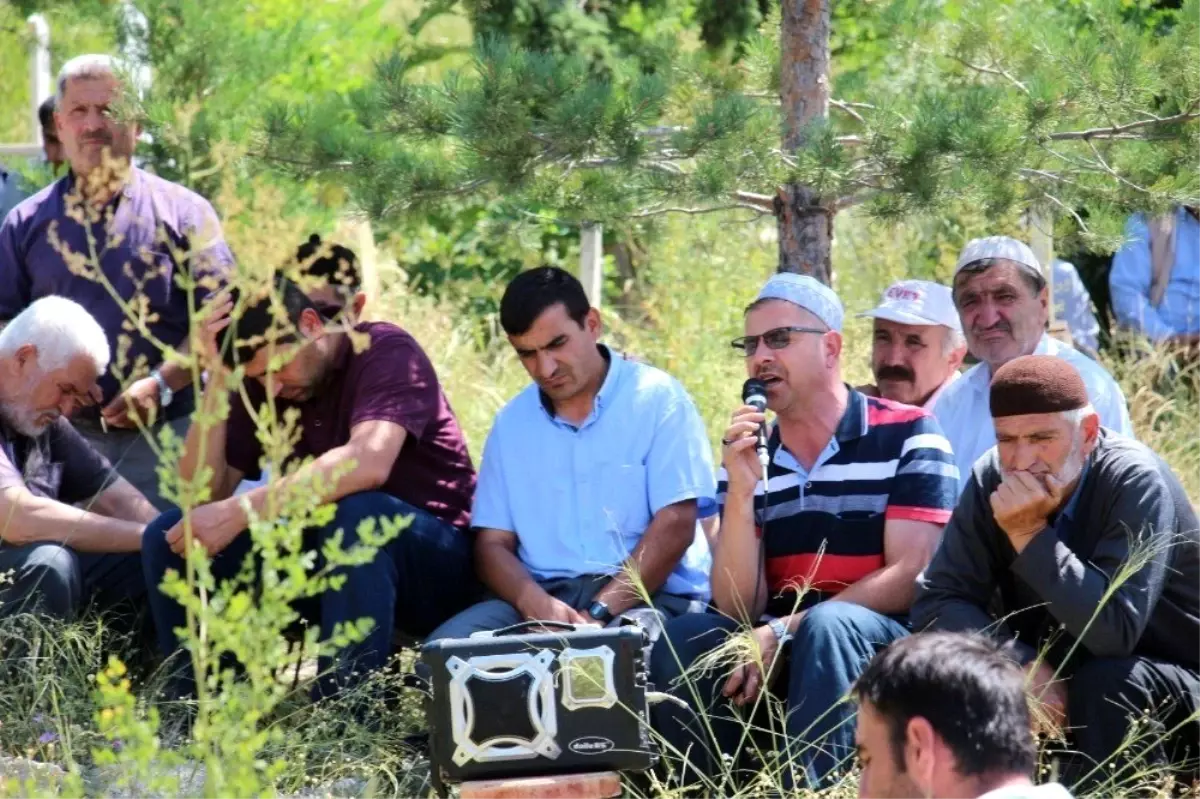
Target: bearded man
[(71, 527), (1082, 545)]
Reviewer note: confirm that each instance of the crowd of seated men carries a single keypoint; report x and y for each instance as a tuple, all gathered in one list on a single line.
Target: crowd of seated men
[(1009, 501)]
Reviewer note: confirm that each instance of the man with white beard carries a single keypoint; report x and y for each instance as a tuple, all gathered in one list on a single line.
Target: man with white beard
[(1080, 544), (70, 527)]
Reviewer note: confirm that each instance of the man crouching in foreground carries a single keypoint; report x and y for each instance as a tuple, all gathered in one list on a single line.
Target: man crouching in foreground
[(380, 409)]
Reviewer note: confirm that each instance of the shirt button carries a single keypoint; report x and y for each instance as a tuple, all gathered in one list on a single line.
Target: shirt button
[(317, 422), (807, 486)]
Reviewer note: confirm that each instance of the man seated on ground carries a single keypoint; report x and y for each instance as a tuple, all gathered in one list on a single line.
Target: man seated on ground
[(61, 557), (1001, 296), (379, 408), (1082, 544), (917, 346), (858, 490), (328, 274), (591, 477), (945, 716)]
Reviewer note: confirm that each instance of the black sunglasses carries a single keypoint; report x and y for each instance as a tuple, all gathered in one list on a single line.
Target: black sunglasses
[(776, 339)]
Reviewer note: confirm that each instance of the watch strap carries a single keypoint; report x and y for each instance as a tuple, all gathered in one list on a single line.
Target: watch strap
[(782, 633), (165, 394), (600, 612)]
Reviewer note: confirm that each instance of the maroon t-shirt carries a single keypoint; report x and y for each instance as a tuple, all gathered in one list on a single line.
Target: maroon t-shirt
[(390, 380)]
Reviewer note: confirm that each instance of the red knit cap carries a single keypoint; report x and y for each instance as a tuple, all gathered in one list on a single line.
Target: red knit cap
[(1036, 384)]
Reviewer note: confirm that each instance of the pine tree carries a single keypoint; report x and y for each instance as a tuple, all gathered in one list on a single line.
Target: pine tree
[(1086, 108)]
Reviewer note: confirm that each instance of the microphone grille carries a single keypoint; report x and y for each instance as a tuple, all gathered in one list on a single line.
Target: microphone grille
[(754, 387)]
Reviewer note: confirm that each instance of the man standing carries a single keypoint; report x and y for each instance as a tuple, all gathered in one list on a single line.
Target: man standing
[(157, 245), (623, 467), (1002, 299), (945, 716), (857, 492), (61, 557), (1155, 278), (385, 443), (1092, 548), (918, 345), (52, 147)]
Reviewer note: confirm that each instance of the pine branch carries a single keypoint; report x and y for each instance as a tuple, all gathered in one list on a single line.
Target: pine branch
[(763, 202), (1051, 176), (697, 211), (848, 109), (1112, 172), (1116, 130), (1078, 219), (851, 200), (992, 71)]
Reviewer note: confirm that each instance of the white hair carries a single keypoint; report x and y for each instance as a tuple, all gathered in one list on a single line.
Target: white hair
[(1075, 417), (952, 340), (92, 65), (61, 329)]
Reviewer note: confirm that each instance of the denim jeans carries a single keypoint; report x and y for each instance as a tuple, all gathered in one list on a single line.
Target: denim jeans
[(414, 583), (833, 644), (53, 579)]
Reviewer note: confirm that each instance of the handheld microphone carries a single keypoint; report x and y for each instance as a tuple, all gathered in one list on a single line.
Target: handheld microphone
[(754, 393)]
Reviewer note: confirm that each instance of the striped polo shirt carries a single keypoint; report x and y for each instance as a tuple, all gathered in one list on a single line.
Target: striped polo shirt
[(824, 528)]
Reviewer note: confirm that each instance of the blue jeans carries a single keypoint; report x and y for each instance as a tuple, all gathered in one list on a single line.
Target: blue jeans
[(833, 644), (414, 583), (58, 581)]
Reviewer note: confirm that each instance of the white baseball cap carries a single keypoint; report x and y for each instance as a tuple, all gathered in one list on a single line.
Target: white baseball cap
[(998, 247), (917, 302)]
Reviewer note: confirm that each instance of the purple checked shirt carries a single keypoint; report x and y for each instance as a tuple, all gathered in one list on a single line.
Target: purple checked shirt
[(149, 218)]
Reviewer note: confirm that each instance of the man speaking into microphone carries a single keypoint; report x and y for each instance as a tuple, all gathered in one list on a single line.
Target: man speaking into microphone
[(821, 562)]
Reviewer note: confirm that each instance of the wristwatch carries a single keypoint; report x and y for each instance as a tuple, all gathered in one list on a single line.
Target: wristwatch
[(782, 633), (600, 612), (165, 394)]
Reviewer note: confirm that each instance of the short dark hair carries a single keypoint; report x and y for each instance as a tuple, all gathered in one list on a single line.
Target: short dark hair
[(530, 293), (46, 112), (266, 318), (1034, 280), (968, 689), (337, 266)]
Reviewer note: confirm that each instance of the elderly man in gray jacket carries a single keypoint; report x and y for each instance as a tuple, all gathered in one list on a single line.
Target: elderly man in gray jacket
[(1082, 545)]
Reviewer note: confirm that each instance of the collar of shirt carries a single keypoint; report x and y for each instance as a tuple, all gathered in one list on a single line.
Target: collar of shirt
[(933, 398), (616, 367), (852, 425)]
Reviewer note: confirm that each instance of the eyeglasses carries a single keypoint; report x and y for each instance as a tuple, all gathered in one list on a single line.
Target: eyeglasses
[(776, 339)]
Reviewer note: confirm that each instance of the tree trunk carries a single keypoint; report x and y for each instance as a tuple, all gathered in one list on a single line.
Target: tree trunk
[(805, 219)]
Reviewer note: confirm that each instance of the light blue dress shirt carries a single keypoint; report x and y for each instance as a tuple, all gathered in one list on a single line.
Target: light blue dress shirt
[(1179, 311), (964, 409), (1073, 305), (579, 499)]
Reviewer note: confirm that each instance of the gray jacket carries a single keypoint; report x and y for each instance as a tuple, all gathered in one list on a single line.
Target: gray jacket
[(1129, 502)]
